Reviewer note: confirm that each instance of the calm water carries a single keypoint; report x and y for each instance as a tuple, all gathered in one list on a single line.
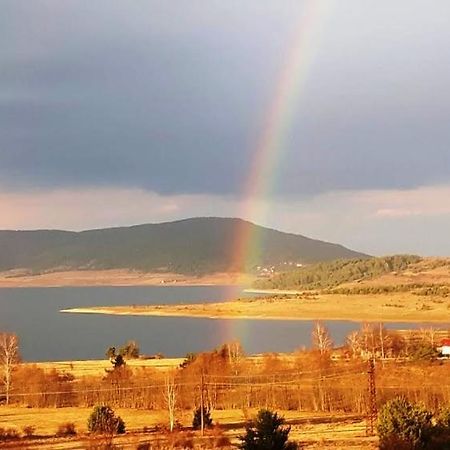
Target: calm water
[(47, 335)]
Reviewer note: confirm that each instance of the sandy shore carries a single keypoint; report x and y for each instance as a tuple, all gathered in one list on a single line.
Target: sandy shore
[(117, 278), (399, 307)]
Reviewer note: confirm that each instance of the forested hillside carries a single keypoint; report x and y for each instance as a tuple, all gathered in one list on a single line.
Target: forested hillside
[(334, 273), (191, 246)]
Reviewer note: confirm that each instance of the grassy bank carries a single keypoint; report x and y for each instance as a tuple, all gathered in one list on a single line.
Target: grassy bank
[(392, 307)]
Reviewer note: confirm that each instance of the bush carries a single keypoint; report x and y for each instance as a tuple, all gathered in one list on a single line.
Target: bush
[(404, 426), (267, 433), (7, 434), (66, 429), (197, 420), (143, 446), (181, 441), (423, 351), (443, 419), (28, 430), (130, 350), (217, 439), (103, 420), (222, 441)]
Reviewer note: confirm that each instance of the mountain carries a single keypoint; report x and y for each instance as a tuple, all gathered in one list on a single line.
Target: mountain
[(190, 246)]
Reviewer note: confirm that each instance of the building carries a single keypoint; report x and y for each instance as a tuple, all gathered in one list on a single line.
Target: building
[(445, 347)]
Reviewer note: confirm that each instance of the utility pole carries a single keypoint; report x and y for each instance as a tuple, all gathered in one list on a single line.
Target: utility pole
[(372, 401), (202, 407)]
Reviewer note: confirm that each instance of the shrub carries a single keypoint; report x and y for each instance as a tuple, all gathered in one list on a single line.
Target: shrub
[(66, 429), (266, 432), (222, 441), (103, 420), (130, 350), (28, 430), (404, 426), (423, 351), (443, 418), (7, 434), (181, 440), (217, 439), (197, 420), (143, 446)]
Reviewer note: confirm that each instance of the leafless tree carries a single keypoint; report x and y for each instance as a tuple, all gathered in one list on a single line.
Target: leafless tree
[(170, 397), (235, 355), (353, 343), (429, 334), (9, 356), (368, 340), (321, 338)]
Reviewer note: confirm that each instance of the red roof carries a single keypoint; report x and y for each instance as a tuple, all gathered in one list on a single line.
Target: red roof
[(445, 342)]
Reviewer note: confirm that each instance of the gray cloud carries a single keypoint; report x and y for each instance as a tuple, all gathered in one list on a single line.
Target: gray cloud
[(170, 97)]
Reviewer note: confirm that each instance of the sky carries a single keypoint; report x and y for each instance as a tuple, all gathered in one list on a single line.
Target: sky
[(116, 113)]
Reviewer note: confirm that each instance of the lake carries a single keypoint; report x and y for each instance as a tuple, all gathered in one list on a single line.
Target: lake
[(48, 335)]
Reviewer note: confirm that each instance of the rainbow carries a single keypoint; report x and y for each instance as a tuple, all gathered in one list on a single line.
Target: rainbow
[(272, 143), (276, 127)]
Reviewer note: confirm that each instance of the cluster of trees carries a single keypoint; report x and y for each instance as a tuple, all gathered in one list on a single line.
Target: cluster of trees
[(331, 274), (405, 425), (323, 378), (375, 341), (309, 381), (128, 351), (420, 289)]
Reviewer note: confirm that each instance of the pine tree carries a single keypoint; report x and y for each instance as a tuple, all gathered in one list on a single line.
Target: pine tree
[(267, 433)]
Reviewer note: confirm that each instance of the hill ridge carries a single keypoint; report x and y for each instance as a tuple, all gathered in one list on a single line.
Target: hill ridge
[(191, 245)]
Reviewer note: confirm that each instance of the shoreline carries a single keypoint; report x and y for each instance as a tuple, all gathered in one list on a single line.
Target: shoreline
[(118, 278), (274, 291), (357, 308)]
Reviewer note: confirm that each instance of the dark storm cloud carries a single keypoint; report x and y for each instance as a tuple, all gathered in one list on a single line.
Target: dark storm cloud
[(171, 96)]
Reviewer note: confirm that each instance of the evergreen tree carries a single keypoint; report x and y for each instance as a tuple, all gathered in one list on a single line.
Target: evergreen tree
[(267, 433)]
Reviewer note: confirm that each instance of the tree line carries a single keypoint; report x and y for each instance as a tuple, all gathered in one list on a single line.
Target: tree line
[(322, 378), (328, 275)]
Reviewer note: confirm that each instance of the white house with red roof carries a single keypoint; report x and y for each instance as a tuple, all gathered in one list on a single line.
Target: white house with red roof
[(445, 347)]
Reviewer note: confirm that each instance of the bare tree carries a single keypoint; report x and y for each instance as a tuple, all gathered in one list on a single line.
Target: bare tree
[(368, 340), (235, 355), (321, 338), (353, 343), (9, 356), (170, 397), (430, 335)]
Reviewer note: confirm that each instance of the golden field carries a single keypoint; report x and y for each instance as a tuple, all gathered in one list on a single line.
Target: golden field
[(392, 307), (117, 277), (315, 430)]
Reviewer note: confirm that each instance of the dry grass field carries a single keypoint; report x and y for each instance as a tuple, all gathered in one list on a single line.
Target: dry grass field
[(314, 430), (98, 367), (391, 307), (116, 277)]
